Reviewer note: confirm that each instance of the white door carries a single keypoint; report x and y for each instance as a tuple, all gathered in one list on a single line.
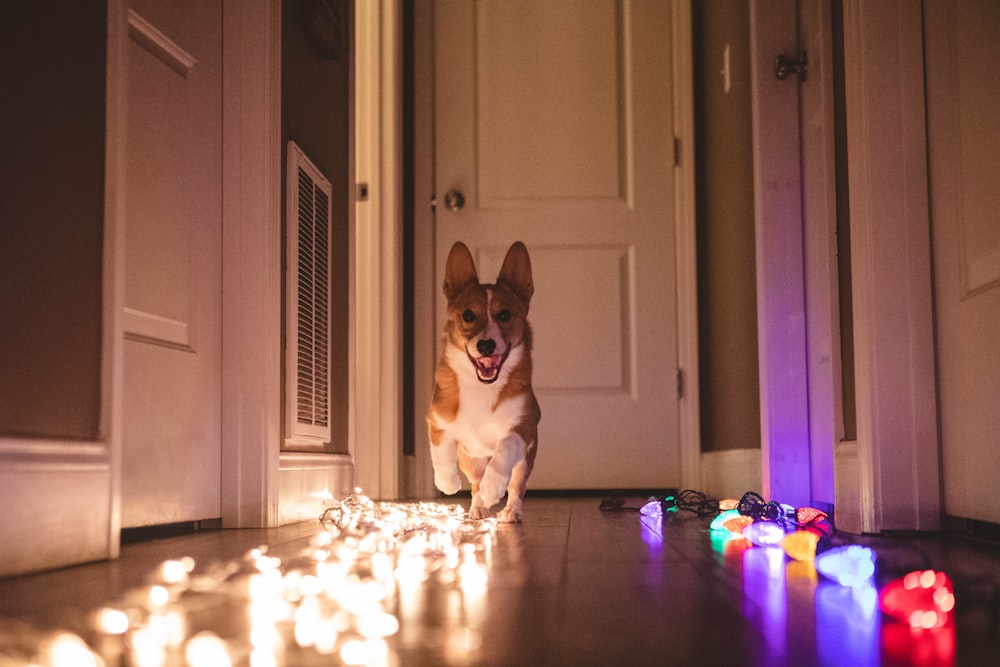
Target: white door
[(171, 401), (554, 121), (964, 146)]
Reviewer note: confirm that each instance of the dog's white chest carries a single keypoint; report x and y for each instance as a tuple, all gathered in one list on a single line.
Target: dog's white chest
[(479, 427)]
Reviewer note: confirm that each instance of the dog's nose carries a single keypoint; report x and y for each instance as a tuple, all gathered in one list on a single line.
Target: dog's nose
[(486, 347)]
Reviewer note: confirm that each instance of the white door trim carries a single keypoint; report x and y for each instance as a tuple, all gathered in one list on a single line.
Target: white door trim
[(897, 449), (376, 292), (251, 262), (781, 304), (419, 482), (115, 218), (689, 407), (418, 476)]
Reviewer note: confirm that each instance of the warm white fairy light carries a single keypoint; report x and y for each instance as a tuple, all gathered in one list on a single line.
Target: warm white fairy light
[(205, 649), (147, 650), (174, 571), (112, 621), (65, 649), (337, 597), (263, 658), (378, 624), (158, 596)]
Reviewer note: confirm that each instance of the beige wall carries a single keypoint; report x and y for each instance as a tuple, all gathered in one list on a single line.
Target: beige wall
[(727, 317), (51, 219)]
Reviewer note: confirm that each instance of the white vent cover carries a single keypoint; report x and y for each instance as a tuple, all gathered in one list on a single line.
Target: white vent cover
[(307, 356)]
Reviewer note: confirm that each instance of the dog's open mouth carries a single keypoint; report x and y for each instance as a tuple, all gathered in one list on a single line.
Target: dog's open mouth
[(488, 368)]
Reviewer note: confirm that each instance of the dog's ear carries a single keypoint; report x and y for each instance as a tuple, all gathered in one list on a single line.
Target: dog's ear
[(516, 272), (459, 271)]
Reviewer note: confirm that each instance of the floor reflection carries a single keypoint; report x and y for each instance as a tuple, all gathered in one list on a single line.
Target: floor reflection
[(411, 585), (848, 624), (807, 618), (765, 600)]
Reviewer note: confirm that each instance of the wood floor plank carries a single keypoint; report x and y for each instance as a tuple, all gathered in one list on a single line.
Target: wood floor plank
[(575, 585)]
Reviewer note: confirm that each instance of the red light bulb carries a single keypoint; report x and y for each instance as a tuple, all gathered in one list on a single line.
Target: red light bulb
[(923, 599)]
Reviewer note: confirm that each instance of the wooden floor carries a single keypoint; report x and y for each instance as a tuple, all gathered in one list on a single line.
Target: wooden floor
[(573, 585)]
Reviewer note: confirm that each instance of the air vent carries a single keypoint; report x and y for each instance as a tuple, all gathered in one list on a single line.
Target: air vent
[(307, 357)]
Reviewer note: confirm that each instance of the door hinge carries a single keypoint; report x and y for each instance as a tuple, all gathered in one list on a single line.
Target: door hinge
[(680, 383), (677, 151), (784, 66)]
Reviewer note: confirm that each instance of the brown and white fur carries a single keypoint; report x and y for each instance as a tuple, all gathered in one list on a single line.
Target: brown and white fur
[(483, 418)]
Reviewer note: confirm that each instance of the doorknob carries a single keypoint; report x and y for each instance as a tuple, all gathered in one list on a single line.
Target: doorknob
[(454, 200), (783, 66)]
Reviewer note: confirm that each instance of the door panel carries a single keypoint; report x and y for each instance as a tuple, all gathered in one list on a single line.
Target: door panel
[(172, 433), (962, 98), (534, 90), (556, 127)]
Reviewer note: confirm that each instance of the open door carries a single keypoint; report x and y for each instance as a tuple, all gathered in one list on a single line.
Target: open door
[(171, 456), (59, 472)]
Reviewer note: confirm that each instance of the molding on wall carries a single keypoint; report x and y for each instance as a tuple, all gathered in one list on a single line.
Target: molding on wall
[(162, 47), (44, 529), (156, 329), (306, 480)]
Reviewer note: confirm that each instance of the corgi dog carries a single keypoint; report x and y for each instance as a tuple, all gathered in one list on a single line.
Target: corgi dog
[(483, 417)]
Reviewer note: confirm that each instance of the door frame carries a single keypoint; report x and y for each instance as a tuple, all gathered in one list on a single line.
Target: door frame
[(251, 263), (779, 235), (261, 485), (376, 327), (890, 478), (885, 128), (417, 476)]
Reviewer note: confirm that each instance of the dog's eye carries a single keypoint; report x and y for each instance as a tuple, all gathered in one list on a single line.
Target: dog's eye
[(504, 315), (469, 316)]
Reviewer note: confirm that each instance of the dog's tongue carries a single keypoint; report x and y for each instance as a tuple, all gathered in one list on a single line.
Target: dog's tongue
[(488, 368)]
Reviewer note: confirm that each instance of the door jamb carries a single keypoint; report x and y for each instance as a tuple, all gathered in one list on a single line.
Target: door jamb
[(689, 399), (251, 273), (418, 477), (894, 468), (376, 292)]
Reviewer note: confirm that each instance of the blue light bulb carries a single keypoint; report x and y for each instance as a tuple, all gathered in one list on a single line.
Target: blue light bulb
[(852, 565), (764, 533)]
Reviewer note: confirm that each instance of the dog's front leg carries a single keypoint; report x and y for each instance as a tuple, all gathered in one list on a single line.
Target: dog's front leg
[(509, 452), (444, 458)]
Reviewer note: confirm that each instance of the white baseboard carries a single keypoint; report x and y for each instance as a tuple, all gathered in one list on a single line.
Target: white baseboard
[(304, 480), (730, 473), (41, 525)]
